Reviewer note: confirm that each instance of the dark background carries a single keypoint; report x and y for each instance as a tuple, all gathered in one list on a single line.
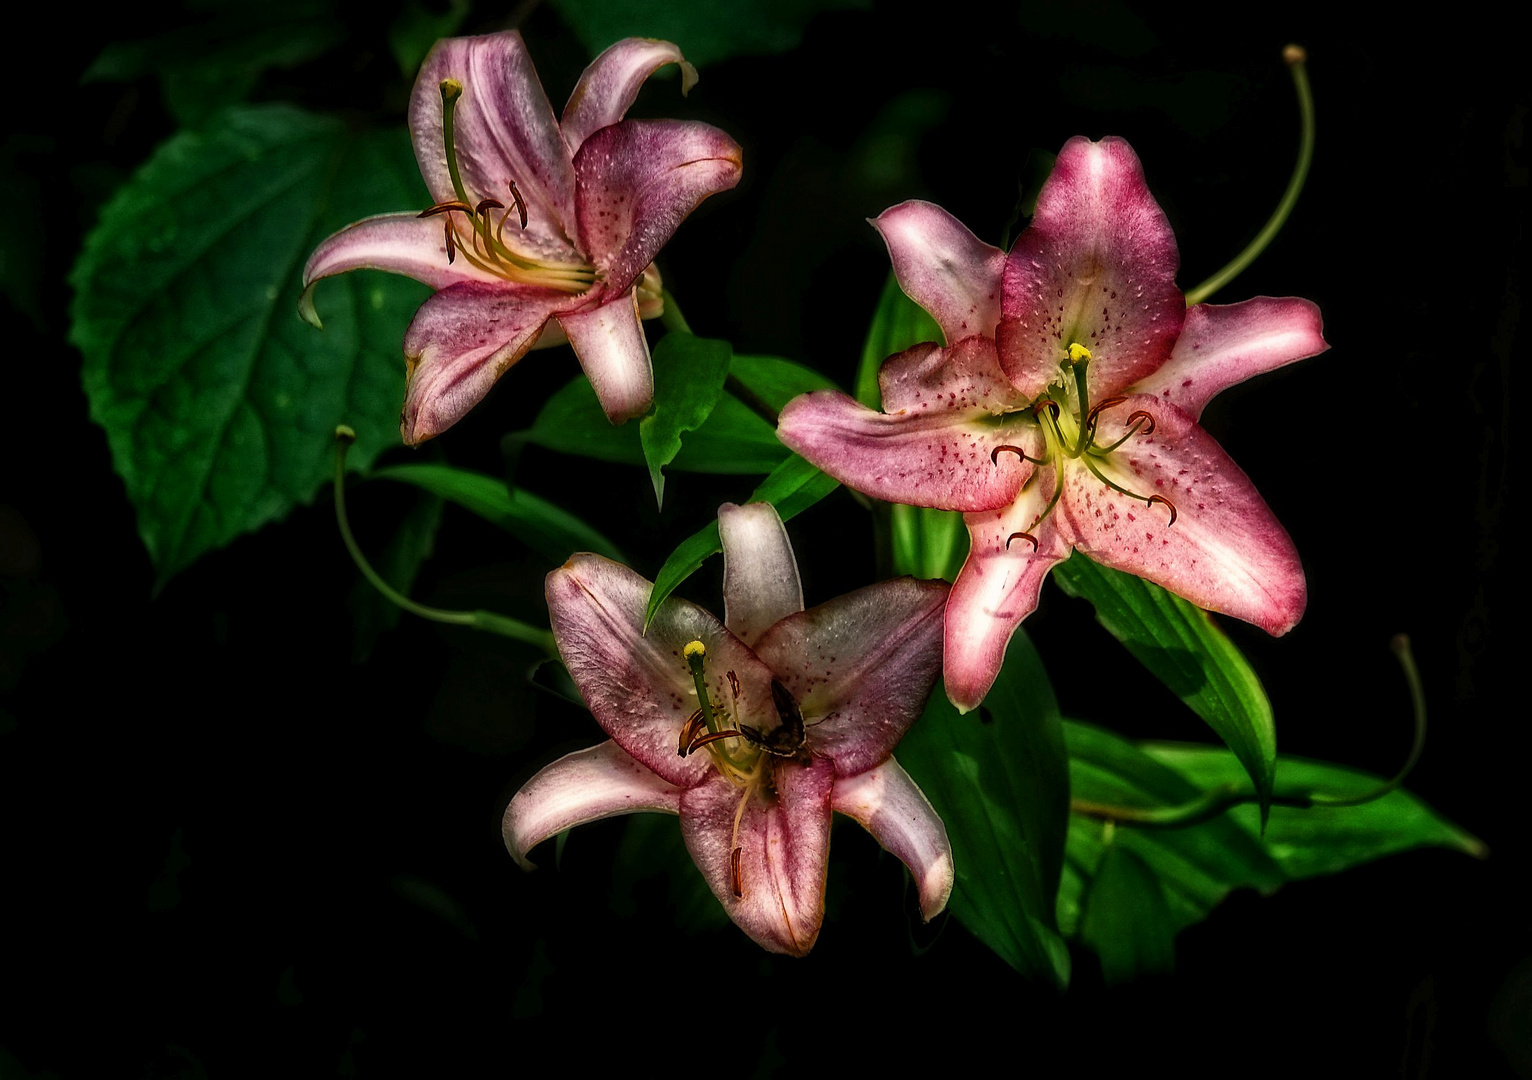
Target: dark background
[(230, 849)]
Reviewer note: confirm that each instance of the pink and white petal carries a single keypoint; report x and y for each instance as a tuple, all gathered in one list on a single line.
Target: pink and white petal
[(461, 340), (1097, 266), (997, 588), (636, 181), (760, 575), (861, 667), (504, 130), (1224, 344), (1225, 552), (637, 685), (609, 342), (611, 83), (405, 244), (965, 376), (584, 786), (784, 844), (933, 456), (944, 267), (888, 804)]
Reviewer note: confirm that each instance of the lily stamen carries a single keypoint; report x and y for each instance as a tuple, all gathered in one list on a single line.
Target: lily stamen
[(994, 455), (521, 204), (689, 733), (1020, 536), (1137, 420)]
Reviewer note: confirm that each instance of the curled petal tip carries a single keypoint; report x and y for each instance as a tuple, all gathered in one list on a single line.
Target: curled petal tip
[(306, 310)]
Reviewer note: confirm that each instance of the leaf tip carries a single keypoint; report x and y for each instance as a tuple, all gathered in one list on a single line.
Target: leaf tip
[(306, 309)]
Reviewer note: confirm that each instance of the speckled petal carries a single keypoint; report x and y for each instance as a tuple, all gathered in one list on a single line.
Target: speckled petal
[(944, 268), (405, 244), (966, 376), (611, 83), (1221, 345), (760, 575), (610, 344), (888, 804), (637, 685), (636, 181), (861, 667), (504, 130), (784, 843), (584, 786), (997, 588), (938, 457), (1097, 266), (461, 340), (1226, 551)]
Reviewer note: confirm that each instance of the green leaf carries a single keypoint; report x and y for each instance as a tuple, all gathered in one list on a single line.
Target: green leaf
[(897, 324), (792, 488), (688, 377), (399, 563), (1127, 922), (542, 526), (1181, 645), (998, 776), (417, 27), (776, 381), (219, 405), (705, 32), (928, 543), (1323, 840), (1197, 865)]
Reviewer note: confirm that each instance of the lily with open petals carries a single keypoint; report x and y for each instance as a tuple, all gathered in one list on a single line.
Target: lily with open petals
[(1063, 412), (752, 730), (539, 230)]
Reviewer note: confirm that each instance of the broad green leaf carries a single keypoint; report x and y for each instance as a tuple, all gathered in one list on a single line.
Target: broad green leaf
[(1322, 840), (792, 488), (688, 377), (928, 543), (705, 32), (776, 381), (1127, 922), (542, 526), (999, 778), (1197, 865), (420, 25), (219, 404), (1181, 645), (897, 324), (399, 563)]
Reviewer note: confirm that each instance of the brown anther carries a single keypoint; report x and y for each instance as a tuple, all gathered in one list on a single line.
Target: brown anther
[(1051, 406), (733, 684), (994, 455), (521, 204), (1022, 536), (689, 732), (736, 879), (1141, 415), (1100, 406), (451, 240), (487, 204), (711, 737), (446, 208), (1161, 499)]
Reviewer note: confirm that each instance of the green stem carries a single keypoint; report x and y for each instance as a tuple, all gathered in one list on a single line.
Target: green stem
[(452, 90), (1295, 57), (478, 620), (671, 317)]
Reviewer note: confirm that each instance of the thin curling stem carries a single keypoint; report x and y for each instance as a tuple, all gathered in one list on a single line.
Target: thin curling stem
[(478, 620), (671, 317), (1401, 647), (1296, 58)]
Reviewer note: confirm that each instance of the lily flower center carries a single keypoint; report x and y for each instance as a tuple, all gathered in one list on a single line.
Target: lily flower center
[(1069, 434), (470, 227)]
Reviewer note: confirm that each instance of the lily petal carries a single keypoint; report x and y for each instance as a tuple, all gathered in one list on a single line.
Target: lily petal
[(760, 575), (888, 804), (1097, 266), (1226, 551), (966, 376), (637, 685), (611, 83), (636, 181), (504, 130), (405, 244), (861, 667), (940, 457), (584, 786), (997, 588), (610, 344), (461, 340), (1221, 345), (944, 268), (784, 852)]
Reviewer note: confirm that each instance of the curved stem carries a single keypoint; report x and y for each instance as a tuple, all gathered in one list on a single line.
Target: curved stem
[(671, 317), (479, 620), (1295, 57)]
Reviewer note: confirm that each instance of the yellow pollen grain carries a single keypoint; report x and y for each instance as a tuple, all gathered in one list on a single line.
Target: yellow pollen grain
[(694, 648), (1078, 352)]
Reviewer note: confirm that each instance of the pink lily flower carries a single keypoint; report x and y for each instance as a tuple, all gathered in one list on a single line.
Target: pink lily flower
[(1063, 412), (540, 230), (752, 730)]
